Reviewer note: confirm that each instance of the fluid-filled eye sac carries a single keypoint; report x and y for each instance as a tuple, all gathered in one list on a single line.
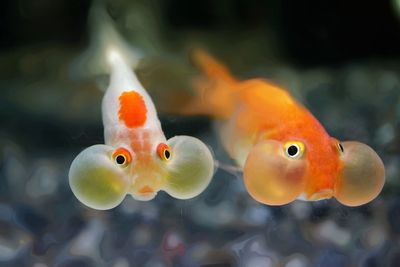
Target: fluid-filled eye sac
[(96, 179), (190, 169), (271, 177), (362, 176)]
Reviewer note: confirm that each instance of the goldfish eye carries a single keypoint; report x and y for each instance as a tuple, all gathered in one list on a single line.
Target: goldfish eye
[(164, 151), (294, 149), (340, 148), (122, 157)]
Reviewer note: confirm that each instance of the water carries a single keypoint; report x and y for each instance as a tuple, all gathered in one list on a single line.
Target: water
[(48, 115)]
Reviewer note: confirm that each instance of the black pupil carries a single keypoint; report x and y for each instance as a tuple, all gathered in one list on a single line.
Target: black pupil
[(120, 159), (292, 150), (341, 147), (167, 154)]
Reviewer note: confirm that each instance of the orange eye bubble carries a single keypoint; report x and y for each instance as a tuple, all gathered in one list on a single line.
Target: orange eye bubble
[(272, 176), (164, 152), (122, 157), (362, 176)]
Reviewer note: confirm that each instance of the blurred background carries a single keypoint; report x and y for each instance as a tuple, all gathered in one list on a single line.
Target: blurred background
[(339, 58)]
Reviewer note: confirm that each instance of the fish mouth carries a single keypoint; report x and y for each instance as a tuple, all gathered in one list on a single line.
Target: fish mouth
[(146, 189), (322, 194), (145, 193), (144, 196)]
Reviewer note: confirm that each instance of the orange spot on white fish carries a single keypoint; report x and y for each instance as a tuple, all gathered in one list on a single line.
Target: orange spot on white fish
[(133, 111)]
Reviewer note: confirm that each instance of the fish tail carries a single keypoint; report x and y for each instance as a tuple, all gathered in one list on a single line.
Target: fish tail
[(215, 93), (105, 43), (211, 67)]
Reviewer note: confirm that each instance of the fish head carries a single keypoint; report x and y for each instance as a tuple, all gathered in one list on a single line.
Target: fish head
[(182, 166), (277, 172), (102, 175)]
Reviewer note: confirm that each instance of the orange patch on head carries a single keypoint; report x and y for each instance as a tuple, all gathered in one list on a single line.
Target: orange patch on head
[(132, 111)]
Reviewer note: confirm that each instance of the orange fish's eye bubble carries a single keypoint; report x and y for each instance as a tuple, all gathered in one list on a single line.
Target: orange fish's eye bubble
[(164, 151), (122, 157), (294, 149), (361, 177), (271, 177)]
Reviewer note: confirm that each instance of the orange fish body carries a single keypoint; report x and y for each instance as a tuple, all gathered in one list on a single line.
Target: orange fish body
[(284, 151)]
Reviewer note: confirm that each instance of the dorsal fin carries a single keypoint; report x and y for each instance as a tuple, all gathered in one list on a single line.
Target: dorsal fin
[(104, 38), (211, 67)]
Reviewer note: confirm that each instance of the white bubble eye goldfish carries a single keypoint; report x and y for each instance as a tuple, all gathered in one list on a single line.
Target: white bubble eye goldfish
[(136, 158)]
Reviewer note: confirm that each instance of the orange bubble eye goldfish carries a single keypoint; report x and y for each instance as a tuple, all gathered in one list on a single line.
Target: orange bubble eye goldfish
[(285, 153)]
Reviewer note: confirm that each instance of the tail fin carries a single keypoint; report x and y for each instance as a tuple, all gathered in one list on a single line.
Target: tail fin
[(103, 39), (211, 67), (215, 92)]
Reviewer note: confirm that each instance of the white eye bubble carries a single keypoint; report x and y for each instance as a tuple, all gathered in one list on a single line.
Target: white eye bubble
[(190, 169), (96, 180)]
